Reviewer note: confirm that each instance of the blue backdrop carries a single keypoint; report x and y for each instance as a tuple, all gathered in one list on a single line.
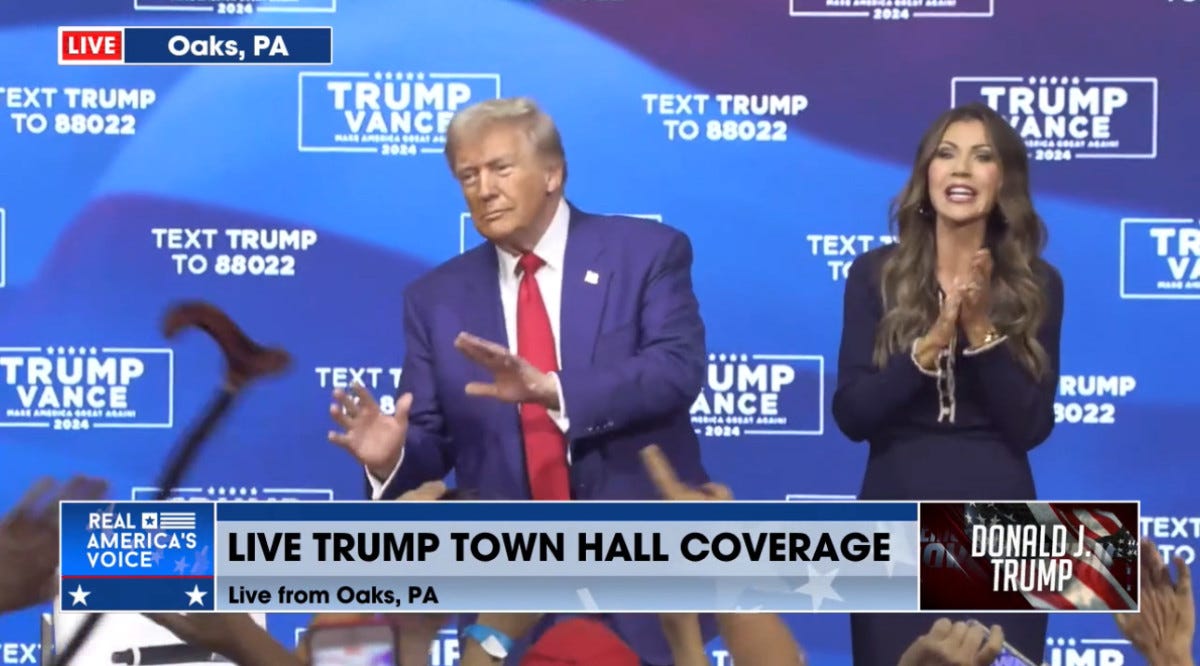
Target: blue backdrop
[(773, 135)]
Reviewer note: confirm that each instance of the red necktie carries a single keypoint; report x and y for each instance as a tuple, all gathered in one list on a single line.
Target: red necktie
[(545, 445)]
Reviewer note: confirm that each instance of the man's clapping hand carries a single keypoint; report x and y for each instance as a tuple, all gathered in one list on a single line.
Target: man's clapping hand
[(29, 541)]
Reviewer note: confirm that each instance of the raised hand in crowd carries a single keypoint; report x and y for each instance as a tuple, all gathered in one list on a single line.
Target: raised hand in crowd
[(761, 639), (683, 634), (426, 492), (374, 438), (235, 636), (417, 631), (29, 541), (955, 644), (513, 625), (682, 630), (671, 488), (1164, 628)]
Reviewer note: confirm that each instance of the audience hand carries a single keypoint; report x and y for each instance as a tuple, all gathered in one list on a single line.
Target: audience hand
[(954, 644), (212, 631), (682, 631), (1164, 628), (426, 492), (755, 638), (374, 438), (29, 541), (669, 485), (417, 631)]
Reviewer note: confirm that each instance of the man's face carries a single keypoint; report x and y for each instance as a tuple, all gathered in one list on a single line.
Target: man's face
[(505, 183)]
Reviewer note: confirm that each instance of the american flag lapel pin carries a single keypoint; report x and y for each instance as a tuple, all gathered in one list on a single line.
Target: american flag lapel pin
[(592, 277)]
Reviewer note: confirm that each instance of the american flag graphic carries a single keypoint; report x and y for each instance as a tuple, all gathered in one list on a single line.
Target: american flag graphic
[(183, 520), (1107, 545)]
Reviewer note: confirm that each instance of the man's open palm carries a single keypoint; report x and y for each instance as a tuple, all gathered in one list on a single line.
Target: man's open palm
[(374, 438), (513, 378)]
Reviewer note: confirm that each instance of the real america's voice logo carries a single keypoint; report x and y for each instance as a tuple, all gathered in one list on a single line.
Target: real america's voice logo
[(1072, 117), (761, 394), (386, 113), (238, 7), (83, 387)]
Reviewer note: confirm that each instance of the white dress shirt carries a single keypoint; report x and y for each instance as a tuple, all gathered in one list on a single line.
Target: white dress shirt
[(552, 249)]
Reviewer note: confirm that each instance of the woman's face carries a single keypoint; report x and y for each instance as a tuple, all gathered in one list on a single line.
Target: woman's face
[(964, 174)]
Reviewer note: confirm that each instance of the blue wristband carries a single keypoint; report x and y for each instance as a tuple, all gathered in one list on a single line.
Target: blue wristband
[(493, 641)]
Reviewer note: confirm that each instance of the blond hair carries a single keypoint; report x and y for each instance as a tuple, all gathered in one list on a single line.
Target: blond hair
[(521, 112)]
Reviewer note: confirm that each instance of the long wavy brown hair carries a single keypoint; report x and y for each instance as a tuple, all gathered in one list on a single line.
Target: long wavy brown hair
[(1015, 234)]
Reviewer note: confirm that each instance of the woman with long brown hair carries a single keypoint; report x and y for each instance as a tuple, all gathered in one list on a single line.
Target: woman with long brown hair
[(948, 364)]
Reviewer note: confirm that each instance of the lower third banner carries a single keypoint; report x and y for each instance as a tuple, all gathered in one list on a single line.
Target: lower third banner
[(598, 557), (566, 556)]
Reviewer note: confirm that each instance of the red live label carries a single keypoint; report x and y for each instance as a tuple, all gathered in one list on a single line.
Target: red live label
[(91, 45)]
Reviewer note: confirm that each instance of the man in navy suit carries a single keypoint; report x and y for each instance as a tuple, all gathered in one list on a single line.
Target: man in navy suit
[(538, 364)]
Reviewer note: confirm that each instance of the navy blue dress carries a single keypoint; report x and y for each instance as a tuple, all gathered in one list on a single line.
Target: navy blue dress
[(962, 433)]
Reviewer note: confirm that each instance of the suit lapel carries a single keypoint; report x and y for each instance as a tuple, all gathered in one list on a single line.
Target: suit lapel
[(584, 287), (484, 311), (483, 315)]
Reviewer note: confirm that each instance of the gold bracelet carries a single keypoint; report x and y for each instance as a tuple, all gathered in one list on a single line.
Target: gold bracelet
[(989, 338)]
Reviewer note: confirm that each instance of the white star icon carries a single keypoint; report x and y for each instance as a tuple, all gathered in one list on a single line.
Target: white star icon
[(78, 596), (195, 596), (819, 587)]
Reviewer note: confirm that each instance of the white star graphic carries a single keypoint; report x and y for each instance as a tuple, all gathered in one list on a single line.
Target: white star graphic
[(195, 596), (78, 596), (819, 587)]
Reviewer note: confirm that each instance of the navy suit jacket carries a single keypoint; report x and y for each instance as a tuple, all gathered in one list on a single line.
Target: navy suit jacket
[(633, 361)]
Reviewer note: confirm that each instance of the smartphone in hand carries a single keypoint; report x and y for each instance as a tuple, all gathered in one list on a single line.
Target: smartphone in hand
[(373, 642), (1009, 655)]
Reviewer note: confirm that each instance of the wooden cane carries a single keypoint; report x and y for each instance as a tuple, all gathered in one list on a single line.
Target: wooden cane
[(245, 361)]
